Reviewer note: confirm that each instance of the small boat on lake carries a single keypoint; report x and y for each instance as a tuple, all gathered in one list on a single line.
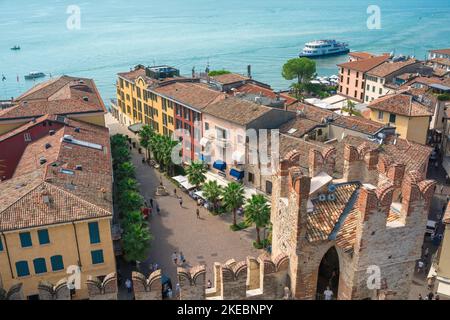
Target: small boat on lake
[(321, 48), (34, 75), (15, 48)]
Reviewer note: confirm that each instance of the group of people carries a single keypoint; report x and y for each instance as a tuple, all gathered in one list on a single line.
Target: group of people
[(430, 296), (178, 258)]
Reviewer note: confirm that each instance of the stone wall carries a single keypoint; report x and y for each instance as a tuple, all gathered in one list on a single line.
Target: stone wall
[(102, 290)]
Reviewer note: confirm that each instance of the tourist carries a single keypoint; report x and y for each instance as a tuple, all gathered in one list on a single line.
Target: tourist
[(209, 284), (180, 200), (427, 251), (156, 266), (151, 202), (420, 297), (437, 297), (430, 295), (198, 213), (420, 266), (158, 211), (169, 293), (175, 192), (328, 294), (182, 259), (175, 257), (128, 284), (177, 290)]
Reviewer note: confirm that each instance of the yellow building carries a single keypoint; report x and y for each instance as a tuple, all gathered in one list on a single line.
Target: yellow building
[(137, 102), (406, 113), (442, 262), (77, 98), (56, 209)]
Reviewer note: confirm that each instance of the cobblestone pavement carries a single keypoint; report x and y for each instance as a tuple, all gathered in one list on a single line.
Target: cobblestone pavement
[(202, 241)]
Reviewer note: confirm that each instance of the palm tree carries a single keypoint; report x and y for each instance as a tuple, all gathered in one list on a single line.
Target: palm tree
[(233, 198), (136, 241), (167, 162), (257, 211), (145, 137), (127, 184), (196, 173), (212, 191), (125, 170), (133, 217), (130, 201)]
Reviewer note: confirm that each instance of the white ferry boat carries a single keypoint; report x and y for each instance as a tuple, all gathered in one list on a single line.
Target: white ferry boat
[(320, 48)]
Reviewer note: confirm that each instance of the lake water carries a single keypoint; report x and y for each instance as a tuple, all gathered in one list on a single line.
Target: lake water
[(115, 35)]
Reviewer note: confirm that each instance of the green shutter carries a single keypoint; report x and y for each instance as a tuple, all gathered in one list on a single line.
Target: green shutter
[(57, 263), (39, 265), (94, 233), (97, 256), (43, 236), (22, 269), (25, 239)]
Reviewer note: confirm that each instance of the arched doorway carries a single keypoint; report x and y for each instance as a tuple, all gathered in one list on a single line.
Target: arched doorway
[(328, 274)]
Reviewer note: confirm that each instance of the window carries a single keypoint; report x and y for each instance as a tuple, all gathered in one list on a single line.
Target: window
[(392, 118), (251, 177), (373, 88), (380, 114), (39, 265), (170, 120), (164, 104), (164, 119), (25, 239), (57, 263), (206, 126), (381, 91), (97, 256), (346, 91), (22, 269), (268, 187), (368, 87), (356, 83), (94, 234), (43, 236), (357, 75), (367, 98), (27, 137), (356, 94), (348, 80)]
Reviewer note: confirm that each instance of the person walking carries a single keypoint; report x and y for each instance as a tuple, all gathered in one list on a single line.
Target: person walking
[(169, 293), (180, 200), (209, 284), (158, 210), (437, 297), (198, 213), (175, 192), (431, 295), (175, 257), (328, 294), (151, 202), (420, 297), (177, 290), (128, 285), (182, 259), (420, 266)]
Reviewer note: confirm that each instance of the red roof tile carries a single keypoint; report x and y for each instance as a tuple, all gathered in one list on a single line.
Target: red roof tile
[(365, 64)]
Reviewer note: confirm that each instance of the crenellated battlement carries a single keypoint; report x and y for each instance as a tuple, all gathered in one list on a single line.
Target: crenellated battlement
[(102, 290), (147, 289), (59, 291), (14, 293)]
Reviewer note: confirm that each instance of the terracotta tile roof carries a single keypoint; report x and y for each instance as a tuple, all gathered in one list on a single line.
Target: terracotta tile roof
[(346, 237), (76, 194), (237, 111), (266, 92), (355, 123), (440, 72), (24, 127), (361, 55), (133, 74), (229, 78), (401, 104), (422, 80), (31, 211), (299, 126), (195, 95), (322, 221), (388, 67), (63, 95), (365, 64), (442, 61), (441, 51)]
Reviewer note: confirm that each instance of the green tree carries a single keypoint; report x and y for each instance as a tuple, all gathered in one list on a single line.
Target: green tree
[(212, 192), (351, 109), (133, 217), (136, 242), (125, 170), (302, 69), (218, 72), (257, 211), (233, 198), (145, 138), (166, 157), (196, 173), (127, 184), (130, 201)]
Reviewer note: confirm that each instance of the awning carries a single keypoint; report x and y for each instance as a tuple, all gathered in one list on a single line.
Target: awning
[(238, 156), (238, 175), (187, 185), (180, 179), (220, 165), (135, 128), (204, 141), (443, 288)]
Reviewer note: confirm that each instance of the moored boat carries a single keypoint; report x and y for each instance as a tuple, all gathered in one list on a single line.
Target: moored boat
[(34, 75), (320, 48)]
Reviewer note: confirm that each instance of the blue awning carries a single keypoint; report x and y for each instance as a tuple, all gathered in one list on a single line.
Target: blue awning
[(220, 165), (237, 174)]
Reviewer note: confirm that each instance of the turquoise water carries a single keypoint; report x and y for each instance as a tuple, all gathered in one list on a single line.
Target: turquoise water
[(115, 35)]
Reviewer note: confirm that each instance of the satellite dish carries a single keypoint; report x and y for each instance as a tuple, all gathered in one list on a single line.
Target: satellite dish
[(331, 197), (322, 197), (331, 188)]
